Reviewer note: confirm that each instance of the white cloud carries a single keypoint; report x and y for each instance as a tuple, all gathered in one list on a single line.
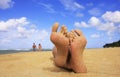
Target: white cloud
[(48, 7), (112, 16), (107, 23), (42, 34), (95, 11), (81, 24), (78, 5), (95, 36), (107, 27), (94, 21), (4, 4), (24, 33), (11, 23), (17, 30), (71, 5), (119, 28), (21, 29), (4, 41)]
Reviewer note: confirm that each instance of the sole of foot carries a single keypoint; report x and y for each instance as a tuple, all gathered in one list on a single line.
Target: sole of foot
[(61, 43), (77, 45)]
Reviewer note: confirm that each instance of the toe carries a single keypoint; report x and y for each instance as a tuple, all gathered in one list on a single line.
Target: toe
[(78, 32), (65, 30), (55, 27), (62, 30), (74, 33)]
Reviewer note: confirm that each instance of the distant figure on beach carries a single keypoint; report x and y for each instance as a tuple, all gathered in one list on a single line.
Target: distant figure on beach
[(34, 47), (39, 47), (69, 47)]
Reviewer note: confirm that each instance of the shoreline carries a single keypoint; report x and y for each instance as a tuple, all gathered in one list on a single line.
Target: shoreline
[(18, 51)]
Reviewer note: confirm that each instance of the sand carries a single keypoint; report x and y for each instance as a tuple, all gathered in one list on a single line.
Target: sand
[(99, 62)]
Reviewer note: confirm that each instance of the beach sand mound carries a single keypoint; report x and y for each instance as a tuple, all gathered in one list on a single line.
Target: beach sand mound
[(99, 62)]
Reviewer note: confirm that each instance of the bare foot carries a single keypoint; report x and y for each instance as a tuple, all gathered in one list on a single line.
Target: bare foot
[(54, 51), (64, 31), (61, 43), (77, 45)]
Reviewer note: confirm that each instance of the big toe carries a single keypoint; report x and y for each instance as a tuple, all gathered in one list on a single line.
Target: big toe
[(55, 27)]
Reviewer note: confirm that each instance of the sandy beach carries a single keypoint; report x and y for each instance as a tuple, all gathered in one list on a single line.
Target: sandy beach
[(99, 62)]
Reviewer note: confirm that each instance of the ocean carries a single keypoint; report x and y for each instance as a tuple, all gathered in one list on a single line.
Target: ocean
[(16, 51), (12, 51)]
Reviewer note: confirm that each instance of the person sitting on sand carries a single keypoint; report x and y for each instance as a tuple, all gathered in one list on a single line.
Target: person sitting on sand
[(34, 47), (69, 47), (39, 47)]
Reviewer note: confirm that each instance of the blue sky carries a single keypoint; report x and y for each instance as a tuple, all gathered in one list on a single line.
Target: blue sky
[(23, 22)]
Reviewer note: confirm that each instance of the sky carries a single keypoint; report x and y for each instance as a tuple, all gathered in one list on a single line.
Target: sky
[(24, 22)]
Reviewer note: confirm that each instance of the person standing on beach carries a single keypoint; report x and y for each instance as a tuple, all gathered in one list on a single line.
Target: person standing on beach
[(39, 47), (34, 47)]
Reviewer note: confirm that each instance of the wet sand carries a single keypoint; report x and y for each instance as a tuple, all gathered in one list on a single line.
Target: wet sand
[(99, 62)]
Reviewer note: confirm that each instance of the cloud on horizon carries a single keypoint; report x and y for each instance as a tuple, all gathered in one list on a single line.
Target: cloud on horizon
[(20, 29)]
